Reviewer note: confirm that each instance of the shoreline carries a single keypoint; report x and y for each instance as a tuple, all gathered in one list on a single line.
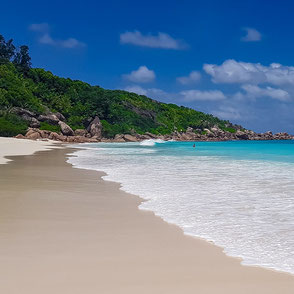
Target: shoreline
[(240, 259), (238, 253), (71, 220)]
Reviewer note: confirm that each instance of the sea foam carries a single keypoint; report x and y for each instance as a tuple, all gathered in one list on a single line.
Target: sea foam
[(151, 142), (243, 205)]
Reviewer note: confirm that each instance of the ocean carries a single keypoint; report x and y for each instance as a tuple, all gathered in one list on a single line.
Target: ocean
[(238, 194)]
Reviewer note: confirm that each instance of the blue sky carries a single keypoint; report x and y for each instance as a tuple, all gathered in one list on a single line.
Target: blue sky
[(234, 59)]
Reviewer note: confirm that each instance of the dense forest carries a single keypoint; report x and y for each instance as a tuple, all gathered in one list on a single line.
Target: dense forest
[(120, 112)]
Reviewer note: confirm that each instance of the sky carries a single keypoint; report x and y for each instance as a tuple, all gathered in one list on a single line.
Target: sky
[(233, 59)]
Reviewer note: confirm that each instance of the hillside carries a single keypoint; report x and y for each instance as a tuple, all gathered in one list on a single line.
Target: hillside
[(120, 112), (28, 95)]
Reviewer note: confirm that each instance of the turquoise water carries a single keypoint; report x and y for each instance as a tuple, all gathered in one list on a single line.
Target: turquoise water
[(240, 194), (281, 151)]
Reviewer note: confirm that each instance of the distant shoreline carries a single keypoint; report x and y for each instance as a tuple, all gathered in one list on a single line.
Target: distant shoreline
[(214, 135)]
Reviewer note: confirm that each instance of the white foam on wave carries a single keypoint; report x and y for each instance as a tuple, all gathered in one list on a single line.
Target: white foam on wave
[(152, 142), (246, 207)]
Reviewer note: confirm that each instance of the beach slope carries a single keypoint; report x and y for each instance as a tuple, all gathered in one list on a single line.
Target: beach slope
[(66, 231)]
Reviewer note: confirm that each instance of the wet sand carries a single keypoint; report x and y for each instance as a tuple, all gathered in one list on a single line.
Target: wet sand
[(66, 231)]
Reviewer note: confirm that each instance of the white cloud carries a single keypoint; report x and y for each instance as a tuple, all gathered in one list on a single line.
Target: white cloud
[(239, 96), (227, 113), (136, 89), (141, 75), (154, 93), (161, 40), (197, 95), (45, 37), (252, 35), (232, 71), (158, 93), (39, 27), (71, 43), (193, 77), (68, 43), (256, 91)]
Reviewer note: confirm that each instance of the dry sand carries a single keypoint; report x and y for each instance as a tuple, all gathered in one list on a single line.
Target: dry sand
[(12, 146), (66, 231)]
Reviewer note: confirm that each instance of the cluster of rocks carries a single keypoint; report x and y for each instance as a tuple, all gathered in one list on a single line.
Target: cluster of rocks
[(216, 134), (37, 134), (93, 133), (213, 134), (270, 136), (35, 120)]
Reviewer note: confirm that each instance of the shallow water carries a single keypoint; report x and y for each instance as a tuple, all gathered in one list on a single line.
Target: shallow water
[(240, 195)]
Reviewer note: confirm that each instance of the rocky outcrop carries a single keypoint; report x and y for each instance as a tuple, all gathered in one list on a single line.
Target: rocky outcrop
[(21, 111), (49, 118), (270, 136), (119, 138), (65, 129), (216, 134), (82, 136), (242, 135), (130, 138), (36, 134), (81, 132), (95, 128), (33, 136), (20, 136), (283, 136), (93, 133), (27, 115), (150, 135), (59, 116), (33, 122), (34, 119)]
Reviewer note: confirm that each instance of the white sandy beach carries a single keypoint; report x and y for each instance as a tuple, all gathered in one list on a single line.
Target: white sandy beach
[(67, 231), (12, 146)]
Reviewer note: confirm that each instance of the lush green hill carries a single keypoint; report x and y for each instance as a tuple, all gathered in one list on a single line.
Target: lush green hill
[(40, 91)]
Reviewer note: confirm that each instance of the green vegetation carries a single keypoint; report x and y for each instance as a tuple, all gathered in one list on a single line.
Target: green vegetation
[(52, 128), (40, 91), (18, 56), (11, 125), (230, 129)]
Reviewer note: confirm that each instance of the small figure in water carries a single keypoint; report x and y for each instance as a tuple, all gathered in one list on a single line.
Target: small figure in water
[(194, 145)]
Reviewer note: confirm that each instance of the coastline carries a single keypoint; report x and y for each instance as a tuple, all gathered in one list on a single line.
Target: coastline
[(213, 135), (114, 176), (66, 230)]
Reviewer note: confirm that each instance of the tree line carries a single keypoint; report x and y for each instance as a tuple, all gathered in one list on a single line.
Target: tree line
[(19, 56)]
